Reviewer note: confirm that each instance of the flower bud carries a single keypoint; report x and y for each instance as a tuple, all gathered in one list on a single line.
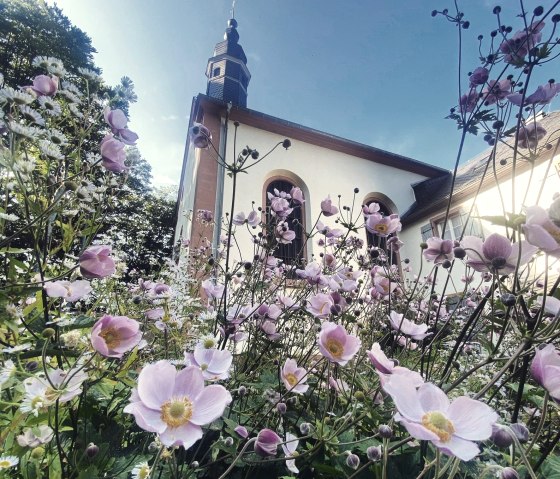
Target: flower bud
[(385, 431), (194, 464), (228, 441), (48, 333), (305, 428), (508, 299), (359, 395), (241, 432), (501, 436), (521, 431), (71, 185), (153, 447), (423, 245), (353, 461), (459, 253), (281, 408), (38, 453), (92, 450), (31, 366), (509, 473), (374, 453), (242, 391), (286, 143)]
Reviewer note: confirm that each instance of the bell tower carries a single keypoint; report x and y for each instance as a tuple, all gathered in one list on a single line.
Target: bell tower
[(227, 72)]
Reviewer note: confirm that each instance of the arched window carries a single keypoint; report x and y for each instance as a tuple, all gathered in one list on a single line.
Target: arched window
[(377, 241), (292, 253)]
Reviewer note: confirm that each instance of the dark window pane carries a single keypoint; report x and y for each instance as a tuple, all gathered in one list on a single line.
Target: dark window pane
[(290, 254)]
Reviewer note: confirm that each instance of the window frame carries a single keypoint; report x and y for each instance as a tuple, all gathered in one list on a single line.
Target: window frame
[(301, 258)]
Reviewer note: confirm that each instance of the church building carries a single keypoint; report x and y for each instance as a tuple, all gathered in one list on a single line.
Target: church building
[(320, 164)]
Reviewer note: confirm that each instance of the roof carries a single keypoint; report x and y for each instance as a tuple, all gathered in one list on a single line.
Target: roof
[(305, 134), (433, 194)]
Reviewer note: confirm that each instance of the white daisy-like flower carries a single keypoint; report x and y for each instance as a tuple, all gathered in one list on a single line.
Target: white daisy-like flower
[(29, 114), (57, 137), (8, 217), (30, 132), (71, 339), (75, 111), (207, 316), (17, 349), (71, 87), (70, 96), (208, 342), (47, 62), (8, 461), (51, 107), (141, 471), (10, 95), (7, 370), (50, 149), (90, 74)]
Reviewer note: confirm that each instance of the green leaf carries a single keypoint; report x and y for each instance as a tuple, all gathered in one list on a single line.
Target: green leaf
[(89, 473)]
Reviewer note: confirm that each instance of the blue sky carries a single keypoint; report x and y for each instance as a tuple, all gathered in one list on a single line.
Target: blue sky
[(379, 72)]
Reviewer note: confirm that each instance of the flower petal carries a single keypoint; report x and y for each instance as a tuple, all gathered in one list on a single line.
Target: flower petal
[(210, 404), (185, 435), (189, 382), (461, 448), (472, 419), (432, 398), (405, 396), (155, 384)]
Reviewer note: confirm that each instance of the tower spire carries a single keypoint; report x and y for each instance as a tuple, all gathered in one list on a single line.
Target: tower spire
[(227, 72)]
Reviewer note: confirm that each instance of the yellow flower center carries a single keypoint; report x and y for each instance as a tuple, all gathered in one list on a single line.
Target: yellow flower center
[(209, 343), (111, 337), (291, 378), (204, 367), (177, 411), (335, 348), (381, 228), (439, 425), (5, 464), (144, 472)]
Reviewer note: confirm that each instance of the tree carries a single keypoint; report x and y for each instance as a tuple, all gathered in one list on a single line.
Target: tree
[(32, 28)]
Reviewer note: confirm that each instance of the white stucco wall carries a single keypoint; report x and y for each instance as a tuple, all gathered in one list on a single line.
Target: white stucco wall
[(322, 172), (488, 203)]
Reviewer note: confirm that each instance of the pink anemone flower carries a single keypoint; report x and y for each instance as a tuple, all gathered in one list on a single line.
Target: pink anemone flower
[(496, 253), (267, 443), (541, 231), (404, 326), (327, 207), (113, 154), (545, 368), (213, 363), (385, 367), (294, 378), (289, 449), (336, 344), (175, 404), (112, 336), (69, 291), (438, 250), (427, 414), (383, 225), (96, 262)]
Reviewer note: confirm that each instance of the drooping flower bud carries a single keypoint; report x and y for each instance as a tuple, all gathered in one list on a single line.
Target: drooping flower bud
[(353, 461), (305, 428), (501, 436), (374, 453), (92, 450), (509, 473), (385, 431)]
